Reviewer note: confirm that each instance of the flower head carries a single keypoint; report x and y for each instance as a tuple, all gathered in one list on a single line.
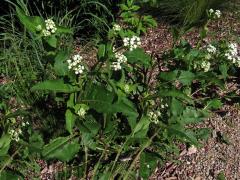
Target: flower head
[(117, 27), (75, 64), (133, 42)]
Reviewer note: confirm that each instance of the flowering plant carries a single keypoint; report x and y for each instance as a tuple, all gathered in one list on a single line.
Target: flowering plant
[(114, 116)]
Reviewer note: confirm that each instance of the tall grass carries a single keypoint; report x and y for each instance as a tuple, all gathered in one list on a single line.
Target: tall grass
[(184, 12), (22, 63)]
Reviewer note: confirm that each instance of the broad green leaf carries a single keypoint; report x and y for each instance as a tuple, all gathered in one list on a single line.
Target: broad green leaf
[(176, 107), (186, 77), (101, 52), (52, 41), (8, 175), (64, 30), (223, 68), (4, 144), (141, 129), (180, 133), (138, 56), (101, 100), (175, 93), (127, 108), (148, 163), (35, 143), (169, 76), (61, 148), (221, 176), (70, 120), (55, 85), (192, 115), (203, 133), (60, 64), (214, 104), (30, 22)]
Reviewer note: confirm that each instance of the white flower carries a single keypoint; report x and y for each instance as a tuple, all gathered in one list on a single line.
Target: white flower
[(232, 53), (46, 33), (218, 13), (81, 112), (50, 27), (116, 66), (120, 59), (39, 28), (192, 150), (117, 27), (132, 43), (75, 64), (215, 14), (211, 49), (127, 88), (154, 116), (126, 41), (205, 66), (211, 11)]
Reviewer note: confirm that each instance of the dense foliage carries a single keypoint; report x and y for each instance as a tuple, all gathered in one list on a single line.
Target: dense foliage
[(106, 120)]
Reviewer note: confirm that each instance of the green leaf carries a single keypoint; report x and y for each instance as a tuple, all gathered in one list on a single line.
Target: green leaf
[(127, 108), (148, 163), (141, 129), (70, 120), (64, 30), (61, 148), (52, 41), (4, 144), (55, 85), (138, 56), (60, 64), (214, 104), (203, 133), (221, 176), (181, 133), (101, 52), (175, 93), (176, 107), (8, 175), (100, 99), (186, 77), (35, 143), (191, 115), (30, 22), (168, 76), (223, 68)]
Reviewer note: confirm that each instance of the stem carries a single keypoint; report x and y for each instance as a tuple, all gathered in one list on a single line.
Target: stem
[(86, 161), (147, 144), (9, 160)]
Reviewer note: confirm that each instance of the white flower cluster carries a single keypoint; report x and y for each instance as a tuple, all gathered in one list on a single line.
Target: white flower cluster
[(81, 112), (117, 27), (211, 49), (205, 65), (154, 116), (126, 88), (215, 14), (15, 133), (120, 60), (75, 64), (50, 27), (232, 54), (133, 42)]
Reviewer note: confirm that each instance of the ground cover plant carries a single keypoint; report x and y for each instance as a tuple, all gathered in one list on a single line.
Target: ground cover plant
[(110, 121)]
